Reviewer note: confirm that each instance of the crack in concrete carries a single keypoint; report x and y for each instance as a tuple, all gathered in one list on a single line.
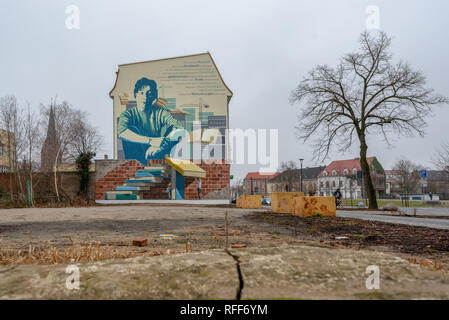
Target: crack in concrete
[(239, 272)]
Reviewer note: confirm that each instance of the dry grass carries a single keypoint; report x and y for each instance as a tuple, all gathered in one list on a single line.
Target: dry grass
[(87, 252), (434, 265)]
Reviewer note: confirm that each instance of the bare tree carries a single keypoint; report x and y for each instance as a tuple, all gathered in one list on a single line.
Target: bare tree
[(407, 175), (86, 138), (32, 143), (289, 178), (66, 119), (74, 135), (441, 159), (365, 94), (83, 147), (11, 119)]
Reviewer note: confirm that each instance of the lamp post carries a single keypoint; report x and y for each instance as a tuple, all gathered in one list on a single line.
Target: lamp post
[(301, 160)]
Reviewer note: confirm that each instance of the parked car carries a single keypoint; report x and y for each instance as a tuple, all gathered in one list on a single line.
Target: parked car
[(266, 201)]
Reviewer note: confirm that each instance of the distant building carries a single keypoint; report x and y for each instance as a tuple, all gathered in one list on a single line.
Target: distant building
[(346, 175), (50, 147), (5, 150), (290, 180), (257, 183), (438, 183), (392, 179)]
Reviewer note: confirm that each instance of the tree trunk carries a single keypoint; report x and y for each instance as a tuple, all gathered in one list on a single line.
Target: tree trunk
[(56, 173), (56, 183), (31, 173), (11, 171), (371, 192)]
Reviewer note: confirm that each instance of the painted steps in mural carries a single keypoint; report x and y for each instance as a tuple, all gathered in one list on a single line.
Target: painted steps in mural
[(121, 195), (136, 184), (142, 181), (145, 180), (144, 173), (132, 188)]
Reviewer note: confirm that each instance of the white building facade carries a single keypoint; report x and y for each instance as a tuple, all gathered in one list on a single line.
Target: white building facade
[(346, 176)]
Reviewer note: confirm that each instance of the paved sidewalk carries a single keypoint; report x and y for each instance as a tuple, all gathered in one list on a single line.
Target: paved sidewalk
[(388, 217)]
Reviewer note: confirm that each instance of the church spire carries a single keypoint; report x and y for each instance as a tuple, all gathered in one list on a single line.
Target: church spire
[(50, 147)]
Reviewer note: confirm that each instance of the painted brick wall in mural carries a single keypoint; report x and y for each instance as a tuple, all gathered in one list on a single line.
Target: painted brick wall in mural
[(176, 107)]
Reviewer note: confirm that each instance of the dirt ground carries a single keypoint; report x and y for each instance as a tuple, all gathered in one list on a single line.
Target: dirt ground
[(285, 256), (204, 228)]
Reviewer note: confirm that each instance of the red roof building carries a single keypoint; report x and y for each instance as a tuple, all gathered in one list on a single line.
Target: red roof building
[(344, 167), (343, 175), (257, 183)]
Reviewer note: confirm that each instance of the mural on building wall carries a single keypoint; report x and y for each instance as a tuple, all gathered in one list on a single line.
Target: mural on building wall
[(148, 130), (164, 106)]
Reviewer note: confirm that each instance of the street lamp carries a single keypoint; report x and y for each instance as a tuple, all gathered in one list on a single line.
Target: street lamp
[(301, 160)]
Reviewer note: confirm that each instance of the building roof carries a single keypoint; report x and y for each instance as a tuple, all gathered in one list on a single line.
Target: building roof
[(307, 174), (392, 172), (179, 57), (260, 175), (340, 165)]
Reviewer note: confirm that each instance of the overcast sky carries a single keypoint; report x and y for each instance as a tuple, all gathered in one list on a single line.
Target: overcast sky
[(262, 50)]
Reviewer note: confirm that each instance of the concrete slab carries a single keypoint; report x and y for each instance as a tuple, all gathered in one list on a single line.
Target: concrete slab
[(286, 272)]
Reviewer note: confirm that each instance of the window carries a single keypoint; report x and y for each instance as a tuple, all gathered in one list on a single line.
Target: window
[(334, 173), (345, 171), (333, 184), (325, 173)]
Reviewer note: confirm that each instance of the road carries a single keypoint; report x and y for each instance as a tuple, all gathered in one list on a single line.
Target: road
[(422, 222), (427, 211)]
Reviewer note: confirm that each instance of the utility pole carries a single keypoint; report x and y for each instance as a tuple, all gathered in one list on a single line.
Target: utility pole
[(301, 160)]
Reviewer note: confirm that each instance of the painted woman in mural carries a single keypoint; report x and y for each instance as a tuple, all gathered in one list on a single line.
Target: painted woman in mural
[(147, 130)]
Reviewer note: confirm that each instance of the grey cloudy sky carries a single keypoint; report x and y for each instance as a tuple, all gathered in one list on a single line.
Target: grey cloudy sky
[(262, 49)]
